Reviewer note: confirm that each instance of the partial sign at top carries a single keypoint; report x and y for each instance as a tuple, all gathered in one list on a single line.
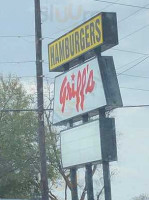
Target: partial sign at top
[(100, 30)]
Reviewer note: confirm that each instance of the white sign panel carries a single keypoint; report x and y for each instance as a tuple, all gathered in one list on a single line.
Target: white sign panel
[(81, 145), (78, 91)]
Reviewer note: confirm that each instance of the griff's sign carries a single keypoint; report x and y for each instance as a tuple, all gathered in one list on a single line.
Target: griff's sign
[(101, 30), (77, 91), (81, 89)]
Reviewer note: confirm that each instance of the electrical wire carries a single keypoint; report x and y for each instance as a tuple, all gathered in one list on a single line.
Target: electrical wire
[(130, 51), (46, 62), (139, 89), (135, 106), (118, 68), (16, 36), (75, 24), (131, 106), (17, 62), (140, 29), (123, 4), (20, 77), (135, 76), (132, 14), (23, 36), (108, 6), (23, 110), (111, 3), (133, 66), (20, 62)]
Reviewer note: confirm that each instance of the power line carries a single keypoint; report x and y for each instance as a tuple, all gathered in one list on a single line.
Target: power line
[(118, 68), (20, 62), (36, 110), (135, 106), (22, 36), (19, 77), (76, 24), (48, 38), (135, 76), (122, 4), (109, 5), (23, 110), (16, 36), (139, 89), (45, 62), (134, 32), (17, 62), (132, 14), (130, 51), (131, 106), (133, 66)]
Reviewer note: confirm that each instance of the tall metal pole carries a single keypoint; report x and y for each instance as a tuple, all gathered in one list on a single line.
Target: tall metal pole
[(105, 164), (89, 173), (74, 189), (89, 182), (40, 102), (73, 174), (73, 171), (106, 169)]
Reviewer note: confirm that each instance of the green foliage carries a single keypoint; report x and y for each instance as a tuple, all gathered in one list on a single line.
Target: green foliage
[(19, 154)]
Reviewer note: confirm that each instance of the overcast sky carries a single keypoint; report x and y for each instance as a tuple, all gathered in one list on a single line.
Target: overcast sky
[(130, 57)]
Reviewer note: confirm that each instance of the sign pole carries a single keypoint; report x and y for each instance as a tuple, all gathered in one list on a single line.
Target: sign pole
[(89, 173), (74, 190), (105, 164), (94, 78), (106, 169), (73, 176), (73, 171), (107, 182), (89, 182)]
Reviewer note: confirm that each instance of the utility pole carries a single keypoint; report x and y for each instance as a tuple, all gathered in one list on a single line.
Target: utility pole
[(40, 102)]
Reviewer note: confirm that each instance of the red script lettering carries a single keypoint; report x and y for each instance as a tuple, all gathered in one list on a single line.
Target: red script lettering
[(79, 86)]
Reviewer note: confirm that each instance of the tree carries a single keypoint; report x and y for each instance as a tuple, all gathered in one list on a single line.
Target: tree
[(64, 177), (19, 154)]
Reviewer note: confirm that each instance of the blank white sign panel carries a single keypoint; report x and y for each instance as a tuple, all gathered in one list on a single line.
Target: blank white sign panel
[(81, 145)]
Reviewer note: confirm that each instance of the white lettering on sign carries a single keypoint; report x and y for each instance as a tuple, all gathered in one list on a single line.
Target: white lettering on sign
[(78, 91)]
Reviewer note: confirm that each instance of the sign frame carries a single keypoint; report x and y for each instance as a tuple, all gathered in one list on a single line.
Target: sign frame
[(111, 90), (109, 37), (77, 67), (108, 145)]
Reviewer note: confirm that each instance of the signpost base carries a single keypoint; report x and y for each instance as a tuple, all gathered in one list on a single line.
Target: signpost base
[(73, 174), (89, 182), (88, 173), (106, 170), (107, 182), (74, 190)]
